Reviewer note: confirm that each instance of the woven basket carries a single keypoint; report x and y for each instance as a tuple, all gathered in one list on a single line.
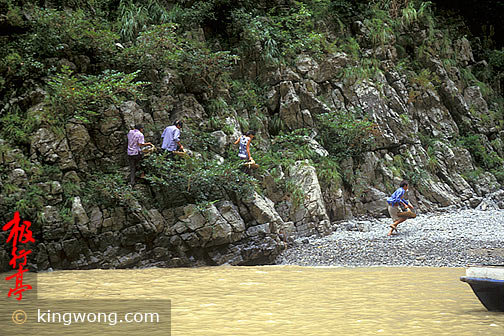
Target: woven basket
[(181, 153), (407, 214), (147, 150), (251, 164)]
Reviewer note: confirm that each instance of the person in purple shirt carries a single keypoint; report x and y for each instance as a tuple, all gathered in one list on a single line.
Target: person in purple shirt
[(394, 201), (171, 138), (135, 142)]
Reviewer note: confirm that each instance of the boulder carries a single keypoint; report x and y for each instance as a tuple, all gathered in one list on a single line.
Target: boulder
[(187, 108), (79, 214), (290, 111), (374, 202), (262, 209), (52, 149), (220, 141), (133, 115), (312, 210), (463, 51)]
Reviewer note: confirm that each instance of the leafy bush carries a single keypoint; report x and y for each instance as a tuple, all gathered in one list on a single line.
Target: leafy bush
[(162, 47), (282, 33), (246, 95), (57, 33), (110, 190), (25, 195), (136, 16), (482, 154), (49, 35), (197, 180), (83, 97), (344, 135), (17, 126), (287, 148), (497, 59)]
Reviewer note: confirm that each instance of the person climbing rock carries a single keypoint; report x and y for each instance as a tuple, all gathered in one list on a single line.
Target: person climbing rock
[(244, 150), (135, 141), (394, 201), (171, 139)]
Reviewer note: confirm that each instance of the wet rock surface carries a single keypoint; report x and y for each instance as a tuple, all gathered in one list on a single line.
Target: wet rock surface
[(453, 239)]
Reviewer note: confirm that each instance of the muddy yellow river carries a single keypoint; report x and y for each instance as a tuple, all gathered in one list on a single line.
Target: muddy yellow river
[(283, 300)]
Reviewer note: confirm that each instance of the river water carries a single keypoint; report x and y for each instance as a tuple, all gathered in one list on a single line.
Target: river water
[(289, 300)]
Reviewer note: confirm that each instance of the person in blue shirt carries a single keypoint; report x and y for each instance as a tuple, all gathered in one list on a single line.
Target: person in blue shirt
[(171, 138), (394, 201)]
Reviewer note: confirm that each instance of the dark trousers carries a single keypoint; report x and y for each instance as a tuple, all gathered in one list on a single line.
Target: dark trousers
[(169, 155), (134, 160)]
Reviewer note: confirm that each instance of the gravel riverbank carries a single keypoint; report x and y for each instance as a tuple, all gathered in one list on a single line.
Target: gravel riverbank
[(453, 239)]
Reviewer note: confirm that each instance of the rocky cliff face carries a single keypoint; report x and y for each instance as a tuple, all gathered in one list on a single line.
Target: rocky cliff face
[(255, 228)]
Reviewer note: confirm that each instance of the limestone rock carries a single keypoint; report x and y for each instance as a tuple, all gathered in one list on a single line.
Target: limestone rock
[(52, 149), (133, 115), (312, 210), (486, 184), (18, 176), (53, 227), (111, 121), (78, 212), (329, 66), (290, 111), (220, 141), (463, 51), (273, 98), (187, 108), (80, 142), (305, 64), (156, 219), (230, 213), (53, 192), (262, 209), (375, 202), (95, 219), (259, 229)]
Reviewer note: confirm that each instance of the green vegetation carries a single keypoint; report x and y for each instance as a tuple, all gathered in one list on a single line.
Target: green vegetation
[(111, 190), (344, 134), (483, 154), (26, 195), (84, 97), (196, 180), (286, 149), (86, 56), (283, 32)]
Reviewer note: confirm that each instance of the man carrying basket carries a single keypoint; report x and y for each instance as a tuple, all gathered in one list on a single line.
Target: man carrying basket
[(394, 201)]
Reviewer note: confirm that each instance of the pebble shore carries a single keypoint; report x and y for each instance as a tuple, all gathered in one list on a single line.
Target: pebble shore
[(458, 238)]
